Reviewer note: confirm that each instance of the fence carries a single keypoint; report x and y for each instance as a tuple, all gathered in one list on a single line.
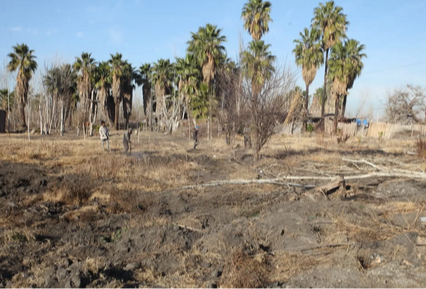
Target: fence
[(376, 130)]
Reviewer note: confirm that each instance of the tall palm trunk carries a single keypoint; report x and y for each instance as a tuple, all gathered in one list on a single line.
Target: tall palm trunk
[(24, 125), (117, 98), (336, 113), (117, 111), (343, 110), (322, 125), (305, 119)]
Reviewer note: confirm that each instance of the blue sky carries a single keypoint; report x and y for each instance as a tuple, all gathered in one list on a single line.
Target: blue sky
[(144, 31)]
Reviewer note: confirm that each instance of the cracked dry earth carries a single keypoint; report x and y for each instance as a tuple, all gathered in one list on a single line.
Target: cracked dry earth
[(74, 216)]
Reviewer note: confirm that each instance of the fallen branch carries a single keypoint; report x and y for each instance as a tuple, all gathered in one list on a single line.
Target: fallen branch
[(188, 228), (246, 182), (362, 161), (280, 181)]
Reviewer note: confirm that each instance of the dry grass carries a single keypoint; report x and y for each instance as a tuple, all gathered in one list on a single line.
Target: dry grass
[(421, 148), (17, 235), (244, 271), (286, 265)]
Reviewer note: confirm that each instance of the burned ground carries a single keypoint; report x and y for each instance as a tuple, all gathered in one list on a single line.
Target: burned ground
[(74, 216)]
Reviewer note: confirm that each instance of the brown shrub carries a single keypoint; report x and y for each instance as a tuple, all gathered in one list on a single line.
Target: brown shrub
[(421, 148), (70, 193)]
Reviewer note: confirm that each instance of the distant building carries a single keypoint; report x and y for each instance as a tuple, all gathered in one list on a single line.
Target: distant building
[(2, 121)]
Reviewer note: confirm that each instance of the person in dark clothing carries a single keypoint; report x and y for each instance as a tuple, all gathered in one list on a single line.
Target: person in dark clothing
[(195, 137), (126, 140)]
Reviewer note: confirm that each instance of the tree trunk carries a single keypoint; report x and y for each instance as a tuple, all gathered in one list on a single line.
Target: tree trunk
[(52, 116), (343, 110), (117, 112), (41, 119), (23, 113), (92, 113), (210, 116), (305, 119), (28, 121), (62, 118), (150, 113), (336, 113), (70, 117), (46, 131), (322, 123)]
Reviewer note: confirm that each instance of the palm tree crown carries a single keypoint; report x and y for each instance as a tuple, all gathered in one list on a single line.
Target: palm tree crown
[(206, 46), (85, 66), (256, 17), (332, 23), (308, 54), (23, 60), (346, 65), (257, 63), (188, 75), (103, 81)]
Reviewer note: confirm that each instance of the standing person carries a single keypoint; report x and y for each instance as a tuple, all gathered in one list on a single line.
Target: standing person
[(195, 137), (104, 135), (126, 140), (247, 135)]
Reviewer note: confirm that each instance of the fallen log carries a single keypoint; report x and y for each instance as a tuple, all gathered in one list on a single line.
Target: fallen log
[(362, 161), (246, 182), (329, 187), (280, 181)]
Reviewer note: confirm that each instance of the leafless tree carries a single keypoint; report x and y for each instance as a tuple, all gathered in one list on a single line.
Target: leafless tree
[(405, 105), (232, 111), (268, 107)]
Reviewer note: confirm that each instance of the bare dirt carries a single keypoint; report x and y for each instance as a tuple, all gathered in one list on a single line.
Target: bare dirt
[(72, 215)]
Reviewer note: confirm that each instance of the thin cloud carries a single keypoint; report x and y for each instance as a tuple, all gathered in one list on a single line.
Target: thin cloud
[(50, 32), (79, 34), (16, 29), (115, 35), (32, 31)]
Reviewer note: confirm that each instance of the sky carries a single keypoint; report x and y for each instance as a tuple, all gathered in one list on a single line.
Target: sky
[(393, 32)]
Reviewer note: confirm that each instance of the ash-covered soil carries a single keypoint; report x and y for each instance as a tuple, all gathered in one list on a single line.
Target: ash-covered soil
[(74, 216)]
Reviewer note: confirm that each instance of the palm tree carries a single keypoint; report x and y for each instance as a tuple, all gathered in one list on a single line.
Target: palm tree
[(309, 56), (355, 56), (256, 17), (103, 84), (206, 46), (118, 66), (145, 78), (188, 77), (332, 23), (60, 82), (129, 76), (23, 60), (345, 66), (85, 67), (257, 64), (162, 76), (200, 104)]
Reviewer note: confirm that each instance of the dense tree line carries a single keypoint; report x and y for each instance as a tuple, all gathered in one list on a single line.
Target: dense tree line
[(203, 85)]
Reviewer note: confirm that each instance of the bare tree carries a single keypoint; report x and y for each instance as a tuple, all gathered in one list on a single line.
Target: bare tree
[(268, 107), (405, 105), (232, 110)]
